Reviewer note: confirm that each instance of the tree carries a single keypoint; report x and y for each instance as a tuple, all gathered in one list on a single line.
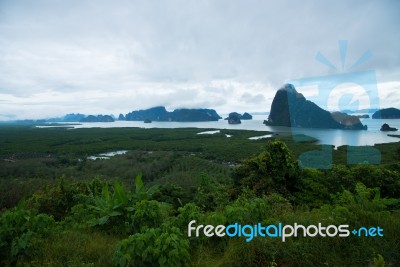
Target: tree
[(273, 170)]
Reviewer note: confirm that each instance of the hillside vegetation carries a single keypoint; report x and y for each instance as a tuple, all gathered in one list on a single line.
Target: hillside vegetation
[(58, 208)]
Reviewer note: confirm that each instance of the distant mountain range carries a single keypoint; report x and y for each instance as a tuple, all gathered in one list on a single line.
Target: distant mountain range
[(77, 117), (68, 118), (148, 115), (289, 108), (365, 110)]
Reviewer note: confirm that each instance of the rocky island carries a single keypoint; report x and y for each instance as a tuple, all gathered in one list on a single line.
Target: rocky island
[(245, 116), (98, 118), (234, 118), (290, 108), (387, 113), (386, 128), (179, 115)]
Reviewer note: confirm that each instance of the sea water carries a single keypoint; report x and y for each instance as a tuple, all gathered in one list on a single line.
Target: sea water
[(337, 138)]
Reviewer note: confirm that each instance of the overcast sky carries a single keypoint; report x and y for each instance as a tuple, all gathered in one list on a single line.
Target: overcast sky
[(112, 57)]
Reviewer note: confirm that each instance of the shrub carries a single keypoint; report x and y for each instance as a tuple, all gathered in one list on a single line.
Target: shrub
[(148, 213), (251, 209), (211, 194), (21, 232), (153, 247), (113, 208), (272, 171), (57, 200), (314, 191)]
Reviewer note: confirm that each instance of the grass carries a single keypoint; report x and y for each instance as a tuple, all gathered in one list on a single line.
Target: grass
[(78, 248)]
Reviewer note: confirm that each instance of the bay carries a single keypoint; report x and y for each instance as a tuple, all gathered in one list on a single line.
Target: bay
[(337, 138)]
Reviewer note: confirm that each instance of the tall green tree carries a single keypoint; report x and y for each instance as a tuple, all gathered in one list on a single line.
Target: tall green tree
[(274, 170)]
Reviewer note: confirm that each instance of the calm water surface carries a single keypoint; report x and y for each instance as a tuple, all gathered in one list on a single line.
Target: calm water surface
[(326, 136)]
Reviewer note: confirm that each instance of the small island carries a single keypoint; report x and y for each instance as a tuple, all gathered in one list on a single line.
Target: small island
[(234, 118), (245, 116), (365, 116), (386, 128), (387, 113)]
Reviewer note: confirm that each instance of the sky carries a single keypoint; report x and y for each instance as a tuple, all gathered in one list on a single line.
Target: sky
[(111, 57)]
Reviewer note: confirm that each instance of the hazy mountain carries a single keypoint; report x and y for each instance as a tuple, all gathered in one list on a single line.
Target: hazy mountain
[(98, 118)]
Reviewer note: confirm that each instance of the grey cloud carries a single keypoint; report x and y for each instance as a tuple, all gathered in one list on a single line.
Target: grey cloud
[(112, 46), (392, 95), (253, 99)]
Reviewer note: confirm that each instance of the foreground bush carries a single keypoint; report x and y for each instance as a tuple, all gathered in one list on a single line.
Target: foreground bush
[(21, 234), (153, 247)]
